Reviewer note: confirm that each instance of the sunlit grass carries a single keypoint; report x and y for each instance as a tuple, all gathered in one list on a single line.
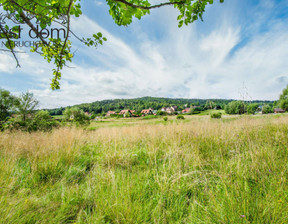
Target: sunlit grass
[(193, 171)]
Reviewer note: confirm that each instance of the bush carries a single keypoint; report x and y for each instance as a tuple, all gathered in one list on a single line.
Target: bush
[(180, 117), (76, 115), (147, 117), (217, 115), (14, 124), (252, 108), (127, 115), (42, 121), (93, 116), (267, 109), (235, 107), (165, 118), (161, 113)]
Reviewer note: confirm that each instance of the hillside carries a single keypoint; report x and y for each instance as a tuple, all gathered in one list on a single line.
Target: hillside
[(139, 104)]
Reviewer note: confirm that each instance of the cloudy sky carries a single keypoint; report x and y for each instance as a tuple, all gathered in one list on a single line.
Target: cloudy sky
[(239, 51)]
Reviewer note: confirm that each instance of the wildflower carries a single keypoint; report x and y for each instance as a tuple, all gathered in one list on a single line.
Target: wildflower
[(280, 201), (242, 216)]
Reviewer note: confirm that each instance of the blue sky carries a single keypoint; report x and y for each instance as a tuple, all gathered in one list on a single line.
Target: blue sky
[(239, 51)]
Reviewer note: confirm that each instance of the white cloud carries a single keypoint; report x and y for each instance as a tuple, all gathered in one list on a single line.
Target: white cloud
[(7, 63)]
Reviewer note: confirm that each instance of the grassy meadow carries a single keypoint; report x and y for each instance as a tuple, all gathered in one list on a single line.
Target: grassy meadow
[(199, 170)]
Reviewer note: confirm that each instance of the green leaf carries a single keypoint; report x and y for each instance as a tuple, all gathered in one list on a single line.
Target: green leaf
[(10, 44)]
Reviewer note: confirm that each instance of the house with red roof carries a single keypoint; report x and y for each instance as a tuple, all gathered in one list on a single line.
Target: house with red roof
[(110, 112), (147, 112)]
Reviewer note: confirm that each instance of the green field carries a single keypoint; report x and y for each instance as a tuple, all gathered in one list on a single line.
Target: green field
[(197, 170), (124, 122), (128, 122)]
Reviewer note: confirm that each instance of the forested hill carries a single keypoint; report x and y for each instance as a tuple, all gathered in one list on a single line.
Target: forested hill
[(139, 104)]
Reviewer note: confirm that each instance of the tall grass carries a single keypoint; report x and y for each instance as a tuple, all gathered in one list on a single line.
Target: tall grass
[(201, 171)]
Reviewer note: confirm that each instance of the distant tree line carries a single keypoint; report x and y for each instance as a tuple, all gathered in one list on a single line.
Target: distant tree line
[(20, 112), (265, 107), (241, 107), (139, 104)]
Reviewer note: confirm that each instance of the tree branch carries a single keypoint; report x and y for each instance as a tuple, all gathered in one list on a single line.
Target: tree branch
[(28, 22), (59, 66), (68, 30), (150, 7), (5, 50), (10, 46)]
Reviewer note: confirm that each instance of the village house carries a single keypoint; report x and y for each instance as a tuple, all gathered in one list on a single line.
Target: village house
[(186, 110), (88, 114), (259, 109), (147, 112), (109, 113), (169, 110), (278, 110), (124, 112)]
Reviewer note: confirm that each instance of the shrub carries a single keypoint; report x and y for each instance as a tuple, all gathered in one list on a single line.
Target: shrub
[(127, 114), (267, 109), (165, 118), (42, 121), (147, 117), (13, 124), (252, 108), (93, 116), (235, 107), (180, 117), (217, 115), (161, 113), (76, 115)]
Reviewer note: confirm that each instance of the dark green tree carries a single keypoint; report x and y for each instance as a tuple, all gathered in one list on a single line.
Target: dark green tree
[(267, 109), (210, 104), (283, 101), (7, 104), (235, 107), (252, 108)]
